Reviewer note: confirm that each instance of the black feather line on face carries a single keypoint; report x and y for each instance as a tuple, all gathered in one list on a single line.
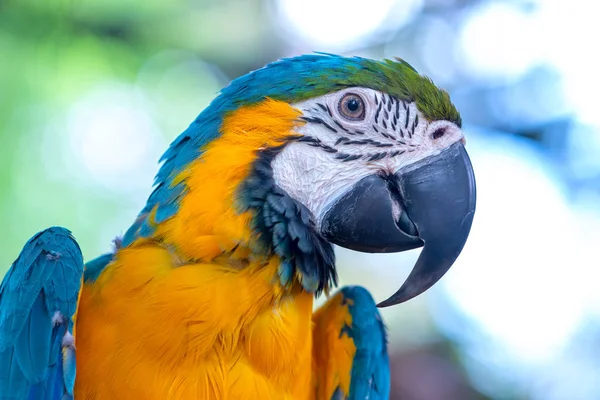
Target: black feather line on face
[(340, 125), (316, 142), (286, 228), (410, 131), (329, 111), (345, 157), (377, 113), (386, 120), (318, 120), (341, 140), (385, 123), (377, 156), (342, 156)]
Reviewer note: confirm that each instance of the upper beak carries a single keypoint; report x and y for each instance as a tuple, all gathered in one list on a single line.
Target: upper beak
[(430, 203)]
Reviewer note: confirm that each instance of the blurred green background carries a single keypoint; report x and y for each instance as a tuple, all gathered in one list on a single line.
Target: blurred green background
[(92, 92)]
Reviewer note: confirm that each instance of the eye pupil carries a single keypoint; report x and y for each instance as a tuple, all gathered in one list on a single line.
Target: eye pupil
[(438, 133), (353, 105)]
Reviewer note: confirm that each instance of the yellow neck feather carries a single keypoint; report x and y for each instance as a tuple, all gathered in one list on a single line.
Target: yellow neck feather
[(207, 223)]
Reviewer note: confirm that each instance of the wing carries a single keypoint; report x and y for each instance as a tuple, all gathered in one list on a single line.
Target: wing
[(350, 359), (38, 302)]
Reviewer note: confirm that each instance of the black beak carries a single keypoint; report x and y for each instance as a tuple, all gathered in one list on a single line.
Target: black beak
[(430, 203)]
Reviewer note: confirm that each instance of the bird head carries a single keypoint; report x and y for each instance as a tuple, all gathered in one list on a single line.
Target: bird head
[(318, 150)]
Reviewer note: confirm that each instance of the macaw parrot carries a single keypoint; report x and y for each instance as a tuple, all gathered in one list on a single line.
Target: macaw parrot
[(209, 294)]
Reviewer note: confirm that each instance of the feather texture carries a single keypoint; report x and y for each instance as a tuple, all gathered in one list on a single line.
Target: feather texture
[(38, 303), (350, 359), (198, 310), (198, 330), (284, 227)]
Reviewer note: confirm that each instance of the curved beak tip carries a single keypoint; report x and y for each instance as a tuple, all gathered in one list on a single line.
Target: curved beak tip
[(436, 196), (412, 287), (440, 195)]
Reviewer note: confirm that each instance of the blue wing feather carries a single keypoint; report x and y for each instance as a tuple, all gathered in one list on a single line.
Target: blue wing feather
[(68, 367), (370, 376), (32, 353), (38, 299)]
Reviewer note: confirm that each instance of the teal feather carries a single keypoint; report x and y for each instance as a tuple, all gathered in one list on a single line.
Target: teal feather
[(38, 298), (68, 366), (370, 375), (33, 354)]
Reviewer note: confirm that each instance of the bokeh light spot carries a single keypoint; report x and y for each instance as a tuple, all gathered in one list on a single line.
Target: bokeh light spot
[(344, 23)]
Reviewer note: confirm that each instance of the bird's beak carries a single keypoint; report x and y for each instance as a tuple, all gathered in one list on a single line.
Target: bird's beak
[(430, 203)]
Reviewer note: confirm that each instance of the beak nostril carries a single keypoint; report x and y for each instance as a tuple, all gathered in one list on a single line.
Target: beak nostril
[(438, 133)]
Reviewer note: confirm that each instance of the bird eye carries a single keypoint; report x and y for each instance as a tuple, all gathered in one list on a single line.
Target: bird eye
[(352, 107)]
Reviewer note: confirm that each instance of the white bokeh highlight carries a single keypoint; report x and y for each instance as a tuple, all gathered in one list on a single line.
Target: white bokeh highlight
[(113, 139), (339, 24), (499, 40)]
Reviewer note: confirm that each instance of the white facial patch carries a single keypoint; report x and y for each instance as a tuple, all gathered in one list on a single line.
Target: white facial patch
[(337, 152)]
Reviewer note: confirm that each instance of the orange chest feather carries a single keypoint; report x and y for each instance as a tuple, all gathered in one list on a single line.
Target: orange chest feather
[(147, 329), (155, 327)]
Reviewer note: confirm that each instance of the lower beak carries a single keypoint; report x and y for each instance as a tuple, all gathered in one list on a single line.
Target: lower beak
[(430, 203)]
